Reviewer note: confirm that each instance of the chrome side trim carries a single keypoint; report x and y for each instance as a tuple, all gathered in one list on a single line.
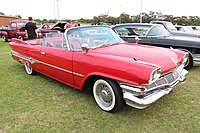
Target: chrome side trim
[(81, 75), (36, 61), (33, 61), (20, 56)]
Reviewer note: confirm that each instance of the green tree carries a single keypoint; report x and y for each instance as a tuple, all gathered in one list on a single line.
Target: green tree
[(44, 21), (18, 16), (1, 13), (125, 18)]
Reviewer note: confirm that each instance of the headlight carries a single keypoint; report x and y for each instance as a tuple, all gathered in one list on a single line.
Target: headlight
[(156, 73), (185, 60)]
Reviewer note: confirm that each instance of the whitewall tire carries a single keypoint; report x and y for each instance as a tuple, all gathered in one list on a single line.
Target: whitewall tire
[(28, 69), (108, 95)]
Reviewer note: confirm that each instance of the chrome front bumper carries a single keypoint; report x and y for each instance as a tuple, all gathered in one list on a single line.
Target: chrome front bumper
[(141, 99)]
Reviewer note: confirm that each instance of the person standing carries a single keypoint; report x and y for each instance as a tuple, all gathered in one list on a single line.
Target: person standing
[(31, 29), (67, 25), (76, 24)]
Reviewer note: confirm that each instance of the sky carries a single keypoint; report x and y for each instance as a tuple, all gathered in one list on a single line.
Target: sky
[(71, 9)]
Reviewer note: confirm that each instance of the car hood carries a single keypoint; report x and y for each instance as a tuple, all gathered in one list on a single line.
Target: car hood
[(148, 55), (59, 24)]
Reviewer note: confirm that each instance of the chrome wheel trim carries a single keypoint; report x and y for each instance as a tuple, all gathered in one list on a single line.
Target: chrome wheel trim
[(20, 37), (4, 38), (28, 69), (104, 95), (187, 63)]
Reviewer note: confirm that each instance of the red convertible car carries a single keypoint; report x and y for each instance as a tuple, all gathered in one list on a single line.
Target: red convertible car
[(96, 58)]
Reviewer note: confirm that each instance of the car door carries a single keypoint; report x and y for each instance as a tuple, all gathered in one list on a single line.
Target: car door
[(166, 42), (55, 61), (13, 30)]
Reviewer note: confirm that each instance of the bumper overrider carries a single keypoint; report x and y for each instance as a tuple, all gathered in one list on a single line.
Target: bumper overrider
[(142, 96)]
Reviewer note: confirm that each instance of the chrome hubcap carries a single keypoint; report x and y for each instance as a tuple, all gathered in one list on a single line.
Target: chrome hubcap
[(20, 38), (104, 95), (28, 68), (4, 38)]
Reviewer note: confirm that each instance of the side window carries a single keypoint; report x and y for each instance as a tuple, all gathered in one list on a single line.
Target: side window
[(21, 24), (45, 26), (123, 32), (13, 25), (55, 40), (154, 32)]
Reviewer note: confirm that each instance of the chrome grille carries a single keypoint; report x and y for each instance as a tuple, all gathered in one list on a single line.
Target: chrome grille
[(161, 82), (167, 80)]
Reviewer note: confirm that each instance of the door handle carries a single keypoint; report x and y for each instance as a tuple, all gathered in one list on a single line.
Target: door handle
[(43, 53)]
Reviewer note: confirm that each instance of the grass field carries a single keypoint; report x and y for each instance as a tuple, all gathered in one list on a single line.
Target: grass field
[(40, 104)]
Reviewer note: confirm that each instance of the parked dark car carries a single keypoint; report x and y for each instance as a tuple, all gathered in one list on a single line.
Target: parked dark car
[(157, 35)]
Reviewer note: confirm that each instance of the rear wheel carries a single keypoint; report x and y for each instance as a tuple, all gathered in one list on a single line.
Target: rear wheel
[(4, 38), (108, 95), (28, 69), (20, 37)]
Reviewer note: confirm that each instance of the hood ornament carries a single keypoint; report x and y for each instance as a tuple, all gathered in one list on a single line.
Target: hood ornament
[(174, 61)]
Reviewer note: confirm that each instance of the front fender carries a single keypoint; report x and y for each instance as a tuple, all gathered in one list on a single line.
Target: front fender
[(135, 73), (4, 33)]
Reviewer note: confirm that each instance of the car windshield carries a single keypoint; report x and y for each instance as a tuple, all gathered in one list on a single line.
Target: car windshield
[(47, 26), (93, 36), (132, 30), (21, 24), (158, 30), (186, 29)]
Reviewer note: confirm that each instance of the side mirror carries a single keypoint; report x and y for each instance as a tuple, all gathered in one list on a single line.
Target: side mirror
[(85, 48), (137, 39)]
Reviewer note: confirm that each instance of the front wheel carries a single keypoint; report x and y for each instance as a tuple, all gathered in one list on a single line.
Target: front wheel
[(108, 95), (28, 69), (189, 64), (4, 38)]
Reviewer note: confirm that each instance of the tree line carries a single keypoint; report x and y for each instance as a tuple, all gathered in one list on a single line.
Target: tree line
[(126, 18)]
